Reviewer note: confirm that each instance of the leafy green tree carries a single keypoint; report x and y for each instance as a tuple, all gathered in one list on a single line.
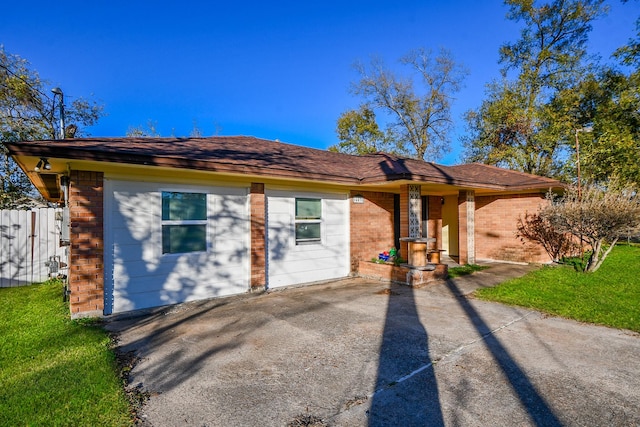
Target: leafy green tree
[(27, 112), (521, 125), (420, 119), (610, 100), (359, 133)]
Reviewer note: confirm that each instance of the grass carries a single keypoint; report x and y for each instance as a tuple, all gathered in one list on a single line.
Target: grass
[(464, 270), (610, 296), (55, 371)]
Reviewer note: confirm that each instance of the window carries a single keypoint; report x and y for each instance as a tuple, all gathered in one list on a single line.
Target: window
[(184, 222), (308, 220)]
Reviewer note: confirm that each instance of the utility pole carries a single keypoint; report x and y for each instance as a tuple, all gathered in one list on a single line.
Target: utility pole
[(58, 91), (586, 129)]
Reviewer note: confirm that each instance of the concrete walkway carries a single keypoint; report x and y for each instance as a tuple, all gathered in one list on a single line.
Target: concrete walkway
[(365, 353)]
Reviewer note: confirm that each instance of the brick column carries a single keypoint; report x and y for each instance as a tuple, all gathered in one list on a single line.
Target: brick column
[(258, 235), (404, 220), (466, 227), (86, 253)]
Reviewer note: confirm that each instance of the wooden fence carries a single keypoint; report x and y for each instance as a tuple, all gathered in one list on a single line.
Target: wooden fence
[(29, 240)]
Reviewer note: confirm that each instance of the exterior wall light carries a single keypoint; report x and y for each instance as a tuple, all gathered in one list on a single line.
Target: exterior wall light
[(43, 164)]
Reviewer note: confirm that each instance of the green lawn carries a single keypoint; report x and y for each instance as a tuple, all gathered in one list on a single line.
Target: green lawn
[(610, 296), (464, 270), (55, 371)]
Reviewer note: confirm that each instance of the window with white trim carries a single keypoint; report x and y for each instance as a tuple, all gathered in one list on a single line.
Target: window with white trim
[(184, 222), (308, 221)]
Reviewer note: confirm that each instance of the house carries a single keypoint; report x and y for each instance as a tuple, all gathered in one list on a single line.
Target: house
[(156, 221)]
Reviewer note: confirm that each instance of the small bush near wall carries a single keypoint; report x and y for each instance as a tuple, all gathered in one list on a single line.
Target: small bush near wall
[(496, 226)]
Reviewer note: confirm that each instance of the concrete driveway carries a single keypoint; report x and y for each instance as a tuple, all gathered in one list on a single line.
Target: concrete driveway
[(367, 353)]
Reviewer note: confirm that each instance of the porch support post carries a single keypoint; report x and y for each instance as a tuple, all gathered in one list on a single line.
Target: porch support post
[(466, 227), (410, 215), (258, 236)]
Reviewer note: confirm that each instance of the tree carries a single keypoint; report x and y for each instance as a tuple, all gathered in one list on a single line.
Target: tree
[(537, 228), (610, 100), (360, 134), (27, 112), (148, 131), (420, 120), (519, 125), (598, 216)]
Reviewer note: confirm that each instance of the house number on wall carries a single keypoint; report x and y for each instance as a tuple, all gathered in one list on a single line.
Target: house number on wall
[(358, 199)]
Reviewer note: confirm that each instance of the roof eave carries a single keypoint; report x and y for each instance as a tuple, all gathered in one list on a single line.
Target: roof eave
[(17, 149)]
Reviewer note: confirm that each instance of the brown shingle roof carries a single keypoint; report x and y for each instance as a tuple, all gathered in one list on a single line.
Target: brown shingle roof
[(254, 156), (504, 177)]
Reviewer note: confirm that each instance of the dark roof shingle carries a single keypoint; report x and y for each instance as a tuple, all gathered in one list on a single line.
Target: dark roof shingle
[(250, 155)]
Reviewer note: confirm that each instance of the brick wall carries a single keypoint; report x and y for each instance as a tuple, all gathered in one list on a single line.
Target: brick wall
[(258, 232), (86, 253), (495, 224), (371, 226), (402, 274)]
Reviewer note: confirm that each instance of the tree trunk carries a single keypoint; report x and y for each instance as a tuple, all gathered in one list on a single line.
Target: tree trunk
[(597, 257)]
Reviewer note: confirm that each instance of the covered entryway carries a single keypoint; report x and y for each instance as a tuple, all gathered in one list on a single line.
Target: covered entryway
[(307, 237)]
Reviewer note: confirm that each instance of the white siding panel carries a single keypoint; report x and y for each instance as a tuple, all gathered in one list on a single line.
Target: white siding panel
[(140, 276), (290, 264)]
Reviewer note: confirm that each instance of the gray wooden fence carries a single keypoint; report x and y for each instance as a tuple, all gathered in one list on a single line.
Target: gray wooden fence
[(29, 241)]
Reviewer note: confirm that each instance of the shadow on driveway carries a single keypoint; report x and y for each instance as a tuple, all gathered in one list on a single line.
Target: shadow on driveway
[(364, 353), (405, 357), (404, 353), (539, 411)]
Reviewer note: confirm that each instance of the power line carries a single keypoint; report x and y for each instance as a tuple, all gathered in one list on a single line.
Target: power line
[(25, 81)]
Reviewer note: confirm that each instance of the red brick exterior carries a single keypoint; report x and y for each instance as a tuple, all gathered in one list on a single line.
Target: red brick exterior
[(86, 253), (495, 223), (402, 274), (371, 226), (404, 220), (258, 234)]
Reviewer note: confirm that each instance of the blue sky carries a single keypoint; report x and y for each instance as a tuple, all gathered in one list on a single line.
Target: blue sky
[(276, 70)]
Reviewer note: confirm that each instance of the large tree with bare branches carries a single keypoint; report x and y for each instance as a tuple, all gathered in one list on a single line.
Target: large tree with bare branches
[(417, 106)]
